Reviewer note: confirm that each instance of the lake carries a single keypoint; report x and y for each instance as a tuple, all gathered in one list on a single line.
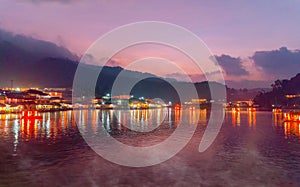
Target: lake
[(252, 149)]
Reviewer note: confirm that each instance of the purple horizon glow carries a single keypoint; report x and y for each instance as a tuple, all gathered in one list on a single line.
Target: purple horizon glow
[(234, 28)]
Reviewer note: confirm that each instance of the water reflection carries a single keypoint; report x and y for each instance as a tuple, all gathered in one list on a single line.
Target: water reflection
[(51, 126), (277, 117), (238, 117), (291, 129), (57, 125), (251, 118), (251, 146), (136, 120)]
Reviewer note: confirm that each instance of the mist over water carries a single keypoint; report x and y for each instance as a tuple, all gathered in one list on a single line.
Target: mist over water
[(252, 148)]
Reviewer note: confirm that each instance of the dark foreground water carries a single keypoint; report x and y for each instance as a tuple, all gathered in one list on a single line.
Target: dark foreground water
[(252, 149)]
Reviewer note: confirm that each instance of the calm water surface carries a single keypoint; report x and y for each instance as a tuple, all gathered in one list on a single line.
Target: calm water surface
[(252, 149)]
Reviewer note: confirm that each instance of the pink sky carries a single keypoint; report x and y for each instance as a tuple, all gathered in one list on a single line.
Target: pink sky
[(235, 28)]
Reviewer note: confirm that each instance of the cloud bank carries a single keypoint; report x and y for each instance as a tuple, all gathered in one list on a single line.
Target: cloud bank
[(36, 47), (271, 65), (232, 65), (278, 64)]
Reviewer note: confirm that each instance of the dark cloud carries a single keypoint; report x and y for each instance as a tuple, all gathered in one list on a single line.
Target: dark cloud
[(281, 63), (232, 65), (36, 47)]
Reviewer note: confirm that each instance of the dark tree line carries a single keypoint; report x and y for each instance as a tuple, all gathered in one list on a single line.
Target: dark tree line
[(278, 96)]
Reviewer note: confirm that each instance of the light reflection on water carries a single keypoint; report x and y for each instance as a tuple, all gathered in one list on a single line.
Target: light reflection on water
[(136, 120), (256, 148), (290, 129), (235, 117)]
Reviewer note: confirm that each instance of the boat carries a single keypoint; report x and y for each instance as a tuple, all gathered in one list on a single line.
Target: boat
[(31, 114), (292, 116)]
